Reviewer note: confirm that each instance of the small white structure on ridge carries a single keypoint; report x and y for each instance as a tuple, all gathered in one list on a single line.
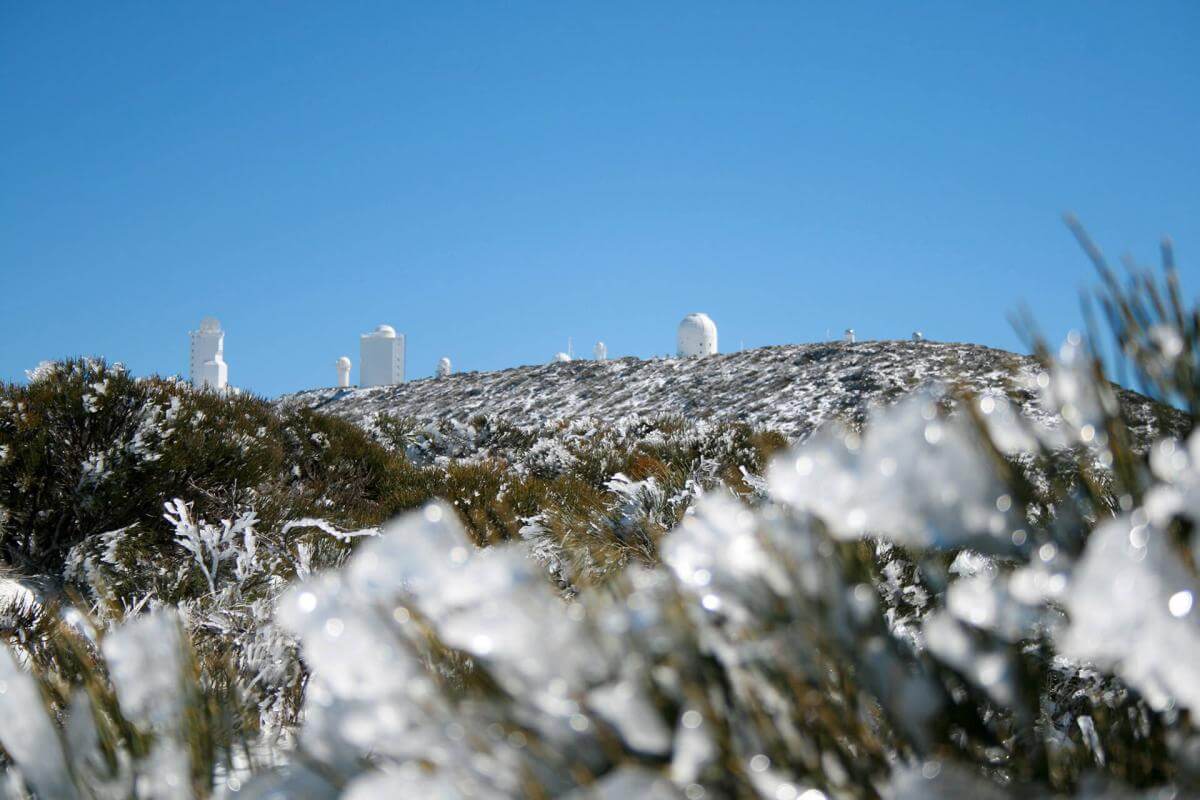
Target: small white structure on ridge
[(381, 357), (918, 336), (600, 351), (207, 367), (560, 358), (343, 368), (848, 337), (444, 368), (697, 336)]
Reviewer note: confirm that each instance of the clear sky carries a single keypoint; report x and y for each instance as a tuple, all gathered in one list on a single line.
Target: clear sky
[(493, 178)]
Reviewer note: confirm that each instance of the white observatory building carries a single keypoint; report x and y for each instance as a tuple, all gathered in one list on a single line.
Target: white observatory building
[(207, 367), (444, 368), (560, 358), (343, 369), (381, 357), (697, 336), (600, 351)]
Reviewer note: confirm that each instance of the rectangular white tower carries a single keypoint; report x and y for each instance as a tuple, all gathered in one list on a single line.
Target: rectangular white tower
[(381, 357), (207, 368)]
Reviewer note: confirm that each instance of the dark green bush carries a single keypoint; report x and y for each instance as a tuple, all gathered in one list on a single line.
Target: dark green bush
[(86, 448)]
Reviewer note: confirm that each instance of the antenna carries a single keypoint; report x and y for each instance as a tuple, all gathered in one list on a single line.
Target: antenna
[(570, 349)]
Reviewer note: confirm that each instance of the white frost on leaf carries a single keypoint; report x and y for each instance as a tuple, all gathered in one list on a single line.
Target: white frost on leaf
[(1124, 607), (627, 708), (994, 603), (370, 695), (1070, 391), (327, 527), (43, 370), (913, 477), (625, 783), (212, 545), (934, 780), (28, 733), (1177, 467), (991, 669), (408, 781), (144, 657)]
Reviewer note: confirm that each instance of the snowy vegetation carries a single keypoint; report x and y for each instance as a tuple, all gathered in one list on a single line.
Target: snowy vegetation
[(983, 590), (792, 389)]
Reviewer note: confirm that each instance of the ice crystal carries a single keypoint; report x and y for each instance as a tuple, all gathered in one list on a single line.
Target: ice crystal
[(28, 733), (913, 476), (1120, 604)]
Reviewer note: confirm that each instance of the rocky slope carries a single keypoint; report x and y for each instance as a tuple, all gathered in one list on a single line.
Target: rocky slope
[(792, 389)]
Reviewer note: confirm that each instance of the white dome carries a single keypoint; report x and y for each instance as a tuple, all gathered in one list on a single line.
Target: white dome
[(210, 325), (697, 336), (444, 368), (344, 363), (600, 351), (560, 358), (384, 332)]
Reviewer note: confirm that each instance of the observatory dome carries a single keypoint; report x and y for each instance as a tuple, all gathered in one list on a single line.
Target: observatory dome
[(560, 358), (383, 332), (344, 362), (210, 325), (697, 336)]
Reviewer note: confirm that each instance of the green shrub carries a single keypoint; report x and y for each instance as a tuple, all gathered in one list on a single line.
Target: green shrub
[(86, 448)]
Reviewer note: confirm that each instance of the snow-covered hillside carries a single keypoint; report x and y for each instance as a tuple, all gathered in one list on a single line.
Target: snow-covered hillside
[(792, 389)]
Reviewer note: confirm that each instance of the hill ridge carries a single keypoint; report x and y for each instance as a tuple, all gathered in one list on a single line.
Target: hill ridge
[(790, 388)]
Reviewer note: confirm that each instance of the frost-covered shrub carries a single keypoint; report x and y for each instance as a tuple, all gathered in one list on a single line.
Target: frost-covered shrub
[(88, 449), (549, 458), (598, 495)]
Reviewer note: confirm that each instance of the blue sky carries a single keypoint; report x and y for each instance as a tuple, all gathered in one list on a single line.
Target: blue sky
[(493, 178)]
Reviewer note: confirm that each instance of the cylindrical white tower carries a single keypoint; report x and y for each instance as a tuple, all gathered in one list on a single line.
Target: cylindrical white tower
[(697, 336), (343, 368), (444, 368), (600, 351), (848, 337), (208, 368)]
